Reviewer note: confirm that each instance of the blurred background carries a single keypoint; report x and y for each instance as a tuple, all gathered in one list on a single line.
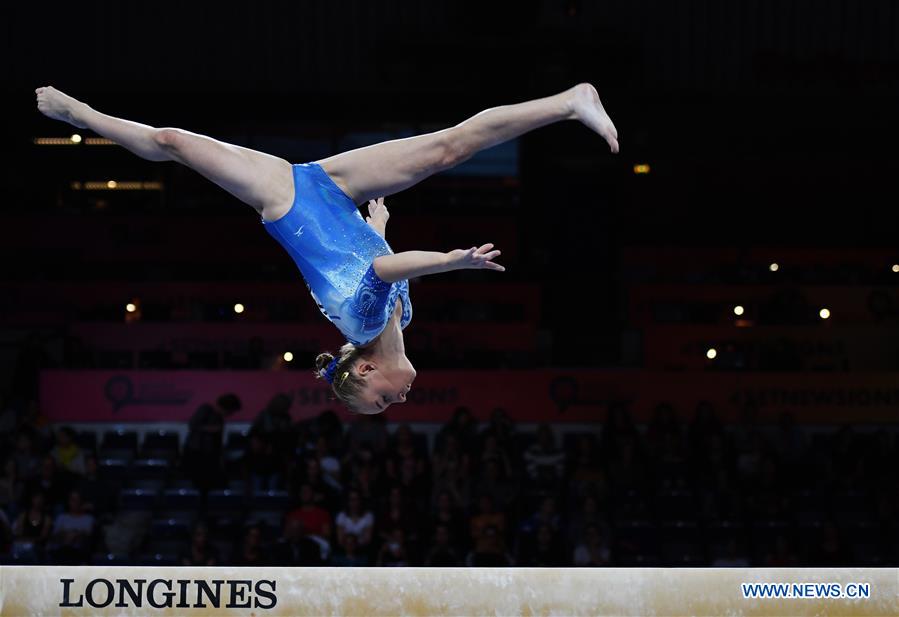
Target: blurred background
[(692, 358)]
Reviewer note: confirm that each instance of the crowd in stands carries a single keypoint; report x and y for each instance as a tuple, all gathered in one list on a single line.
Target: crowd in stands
[(321, 492)]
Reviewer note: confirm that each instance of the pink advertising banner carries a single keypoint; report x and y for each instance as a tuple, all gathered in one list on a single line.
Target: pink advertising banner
[(528, 396)]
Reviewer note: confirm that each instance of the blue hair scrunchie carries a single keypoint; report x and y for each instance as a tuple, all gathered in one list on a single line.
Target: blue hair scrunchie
[(330, 369)]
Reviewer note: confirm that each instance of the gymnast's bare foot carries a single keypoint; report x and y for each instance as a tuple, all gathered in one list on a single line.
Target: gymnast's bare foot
[(587, 108), (59, 106)]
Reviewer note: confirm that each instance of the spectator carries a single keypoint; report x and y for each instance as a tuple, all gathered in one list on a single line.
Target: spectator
[(295, 549), (393, 551), (749, 457), (619, 425), (462, 427), (705, 424), (34, 421), (713, 466), (587, 476), (442, 553), (73, 532), (275, 426), (251, 552), (544, 461), (543, 550), (66, 452), (200, 552), (447, 515), (583, 517), (664, 424), (627, 467), (9, 419), (366, 476), (451, 470), (768, 499), (350, 554), (32, 528), (93, 491), (844, 452), (414, 483), (594, 551), (501, 428), (788, 442), (203, 448), (403, 447), (260, 464), (405, 465), (28, 463), (327, 424), (489, 552), (325, 489), (491, 450), (546, 514), (10, 486), (5, 533), (354, 521), (367, 430), (316, 521), (328, 463), (51, 482), (493, 481), (397, 514), (487, 517)]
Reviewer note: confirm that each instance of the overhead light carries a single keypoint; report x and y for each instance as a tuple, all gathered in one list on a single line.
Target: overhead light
[(774, 267), (55, 141), (238, 308), (738, 310), (824, 313), (288, 356), (641, 168), (110, 185), (130, 307), (711, 353), (75, 139)]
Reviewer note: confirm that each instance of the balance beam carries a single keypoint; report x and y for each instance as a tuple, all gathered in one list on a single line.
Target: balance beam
[(75, 591)]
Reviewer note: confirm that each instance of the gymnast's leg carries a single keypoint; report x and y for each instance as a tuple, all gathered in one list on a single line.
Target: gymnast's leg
[(260, 180), (390, 167)]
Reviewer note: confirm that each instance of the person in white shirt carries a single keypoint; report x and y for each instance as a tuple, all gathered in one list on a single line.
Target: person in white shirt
[(72, 531), (594, 550), (353, 520)]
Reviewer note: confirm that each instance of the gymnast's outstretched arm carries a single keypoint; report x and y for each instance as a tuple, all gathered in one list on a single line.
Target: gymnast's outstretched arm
[(411, 264)]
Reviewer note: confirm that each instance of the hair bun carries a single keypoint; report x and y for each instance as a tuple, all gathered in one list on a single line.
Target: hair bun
[(323, 360)]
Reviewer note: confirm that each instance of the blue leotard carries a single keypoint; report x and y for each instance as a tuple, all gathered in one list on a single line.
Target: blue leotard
[(334, 249)]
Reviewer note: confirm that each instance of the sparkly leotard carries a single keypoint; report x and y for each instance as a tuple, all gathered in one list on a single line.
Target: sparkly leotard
[(334, 249)]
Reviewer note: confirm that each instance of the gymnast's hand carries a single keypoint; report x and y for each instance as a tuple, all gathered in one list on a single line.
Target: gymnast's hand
[(475, 258), (377, 215)]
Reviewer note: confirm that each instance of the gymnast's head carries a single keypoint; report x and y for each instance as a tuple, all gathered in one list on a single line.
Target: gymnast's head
[(366, 379)]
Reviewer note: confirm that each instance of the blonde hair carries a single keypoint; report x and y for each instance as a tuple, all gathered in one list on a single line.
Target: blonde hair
[(347, 384)]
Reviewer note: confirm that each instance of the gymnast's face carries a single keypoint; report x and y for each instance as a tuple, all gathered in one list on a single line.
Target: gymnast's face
[(383, 386)]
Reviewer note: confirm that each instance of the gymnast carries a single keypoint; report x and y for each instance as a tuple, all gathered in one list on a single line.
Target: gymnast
[(357, 281)]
